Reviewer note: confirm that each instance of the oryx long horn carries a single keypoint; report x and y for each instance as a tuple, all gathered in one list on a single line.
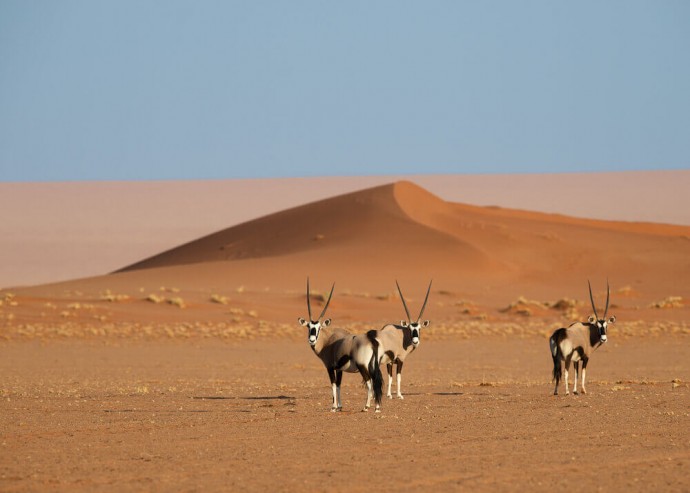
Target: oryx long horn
[(308, 301), (323, 312), (591, 298), (425, 300), (409, 319), (608, 293)]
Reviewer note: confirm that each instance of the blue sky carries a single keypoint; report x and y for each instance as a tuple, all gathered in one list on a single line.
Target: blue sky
[(136, 90)]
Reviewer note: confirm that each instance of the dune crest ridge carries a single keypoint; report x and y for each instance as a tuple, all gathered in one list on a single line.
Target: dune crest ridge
[(386, 218)]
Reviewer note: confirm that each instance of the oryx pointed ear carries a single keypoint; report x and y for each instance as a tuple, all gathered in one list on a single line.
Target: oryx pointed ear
[(326, 322), (592, 319), (302, 321), (425, 323), (403, 323), (612, 319)]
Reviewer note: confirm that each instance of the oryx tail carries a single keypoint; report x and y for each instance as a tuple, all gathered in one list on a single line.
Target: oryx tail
[(554, 344), (375, 367)]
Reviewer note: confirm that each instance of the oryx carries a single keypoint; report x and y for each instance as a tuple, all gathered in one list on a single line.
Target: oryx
[(398, 341), (578, 341), (341, 351)]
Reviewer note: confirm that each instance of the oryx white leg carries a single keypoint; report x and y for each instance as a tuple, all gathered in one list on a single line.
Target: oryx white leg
[(398, 375), (389, 367), (577, 374), (583, 380), (331, 376), (370, 392), (334, 406), (567, 367)]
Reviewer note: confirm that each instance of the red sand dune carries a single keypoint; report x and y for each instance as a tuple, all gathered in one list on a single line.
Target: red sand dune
[(403, 230), (367, 239), (58, 231)]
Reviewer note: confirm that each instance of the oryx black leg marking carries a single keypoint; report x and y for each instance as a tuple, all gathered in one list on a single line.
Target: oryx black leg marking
[(338, 380)]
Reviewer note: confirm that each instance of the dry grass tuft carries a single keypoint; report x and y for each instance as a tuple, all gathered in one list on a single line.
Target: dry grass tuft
[(626, 291), (177, 301), (111, 297), (523, 306), (8, 299), (669, 302), (217, 298), (154, 298)]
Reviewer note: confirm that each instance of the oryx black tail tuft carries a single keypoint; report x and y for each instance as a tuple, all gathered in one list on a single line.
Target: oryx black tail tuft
[(375, 368)]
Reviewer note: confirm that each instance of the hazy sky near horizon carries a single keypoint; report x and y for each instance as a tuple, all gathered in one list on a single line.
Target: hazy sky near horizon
[(141, 90)]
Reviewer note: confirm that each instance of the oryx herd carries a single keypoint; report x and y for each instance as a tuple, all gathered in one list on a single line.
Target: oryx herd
[(340, 351)]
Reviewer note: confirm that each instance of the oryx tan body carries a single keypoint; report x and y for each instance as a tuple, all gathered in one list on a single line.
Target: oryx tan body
[(399, 341), (577, 343), (341, 351)]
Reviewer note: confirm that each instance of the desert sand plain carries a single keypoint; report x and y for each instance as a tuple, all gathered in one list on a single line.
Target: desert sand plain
[(187, 370)]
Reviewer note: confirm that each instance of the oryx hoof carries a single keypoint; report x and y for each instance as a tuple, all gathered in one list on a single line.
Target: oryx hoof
[(567, 392), (366, 409), (584, 391), (575, 392), (400, 396), (378, 410), (390, 396), (334, 409)]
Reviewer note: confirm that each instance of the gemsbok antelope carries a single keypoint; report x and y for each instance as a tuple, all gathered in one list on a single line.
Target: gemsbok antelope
[(577, 343), (341, 351), (398, 341)]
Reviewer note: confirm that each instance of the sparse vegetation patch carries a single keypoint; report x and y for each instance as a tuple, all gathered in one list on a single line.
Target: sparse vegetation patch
[(669, 302)]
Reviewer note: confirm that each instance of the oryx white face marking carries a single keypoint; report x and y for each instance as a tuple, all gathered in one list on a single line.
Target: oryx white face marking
[(414, 328), (602, 325), (314, 329)]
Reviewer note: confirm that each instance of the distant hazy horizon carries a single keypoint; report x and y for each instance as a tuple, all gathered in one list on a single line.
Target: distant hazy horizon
[(58, 231)]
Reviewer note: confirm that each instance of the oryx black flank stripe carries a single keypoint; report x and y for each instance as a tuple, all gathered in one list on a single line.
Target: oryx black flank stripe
[(342, 361)]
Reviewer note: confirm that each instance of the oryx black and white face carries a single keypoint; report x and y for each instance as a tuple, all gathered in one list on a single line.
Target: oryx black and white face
[(414, 329), (416, 325), (315, 326), (601, 323)]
